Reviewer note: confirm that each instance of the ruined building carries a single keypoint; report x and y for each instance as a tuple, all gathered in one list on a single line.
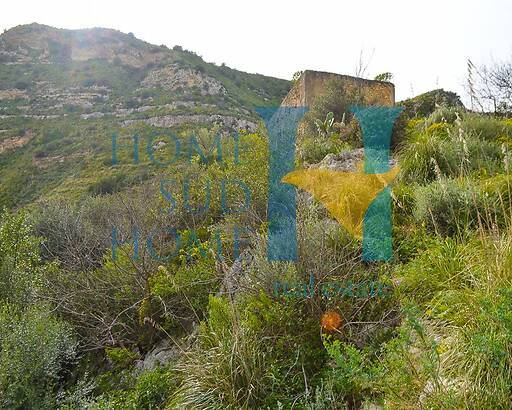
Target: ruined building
[(312, 83)]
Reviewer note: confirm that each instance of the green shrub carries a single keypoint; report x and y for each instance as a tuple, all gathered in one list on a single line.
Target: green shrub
[(438, 267), (482, 158), (251, 170), (351, 375), (36, 351), (410, 239), (498, 192), (20, 265), (440, 129), (448, 207), (425, 104), (314, 150), (121, 357), (150, 391), (322, 398), (410, 367), (452, 207), (249, 356), (108, 185), (184, 288), (103, 303), (154, 387), (403, 200), (485, 127), (86, 219), (226, 369), (428, 157), (80, 395)]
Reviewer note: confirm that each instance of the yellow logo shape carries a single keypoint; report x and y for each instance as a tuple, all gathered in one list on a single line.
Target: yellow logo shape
[(346, 195)]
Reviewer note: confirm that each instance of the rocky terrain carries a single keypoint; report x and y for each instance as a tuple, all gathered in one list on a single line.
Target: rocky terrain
[(64, 92), (52, 72)]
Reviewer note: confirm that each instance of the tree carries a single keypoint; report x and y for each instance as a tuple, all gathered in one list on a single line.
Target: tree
[(384, 77), (363, 64), (296, 76), (490, 87)]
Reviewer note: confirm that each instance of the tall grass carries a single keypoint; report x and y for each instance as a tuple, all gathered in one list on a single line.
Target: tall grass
[(454, 347), (429, 156), (225, 370), (464, 292)]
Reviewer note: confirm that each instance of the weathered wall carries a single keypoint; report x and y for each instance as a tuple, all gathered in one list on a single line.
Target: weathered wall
[(311, 84)]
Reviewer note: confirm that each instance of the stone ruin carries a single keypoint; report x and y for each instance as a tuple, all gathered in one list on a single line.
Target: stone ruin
[(311, 84)]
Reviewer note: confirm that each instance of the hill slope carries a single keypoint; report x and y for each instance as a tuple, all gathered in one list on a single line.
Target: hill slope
[(64, 92)]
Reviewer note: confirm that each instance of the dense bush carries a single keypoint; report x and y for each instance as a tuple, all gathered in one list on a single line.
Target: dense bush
[(452, 207), (128, 298), (20, 266), (449, 207), (259, 359), (314, 150), (77, 235), (428, 157), (352, 375), (409, 373), (149, 391), (37, 352), (444, 114), (108, 185), (499, 190), (180, 292)]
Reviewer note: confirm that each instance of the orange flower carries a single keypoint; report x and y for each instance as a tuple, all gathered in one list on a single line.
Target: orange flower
[(331, 321)]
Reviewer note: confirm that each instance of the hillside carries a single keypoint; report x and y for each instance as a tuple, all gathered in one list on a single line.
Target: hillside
[(155, 285), (64, 92)]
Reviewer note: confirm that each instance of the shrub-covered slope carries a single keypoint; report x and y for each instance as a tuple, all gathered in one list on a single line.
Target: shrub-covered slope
[(64, 92)]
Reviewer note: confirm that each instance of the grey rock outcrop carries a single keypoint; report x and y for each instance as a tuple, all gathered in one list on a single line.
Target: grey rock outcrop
[(162, 353), (347, 161), (185, 79), (226, 121)]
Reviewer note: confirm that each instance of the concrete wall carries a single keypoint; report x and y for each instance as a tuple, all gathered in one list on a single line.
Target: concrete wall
[(311, 84)]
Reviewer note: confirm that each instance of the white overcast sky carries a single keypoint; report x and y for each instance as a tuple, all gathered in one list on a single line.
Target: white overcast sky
[(425, 44)]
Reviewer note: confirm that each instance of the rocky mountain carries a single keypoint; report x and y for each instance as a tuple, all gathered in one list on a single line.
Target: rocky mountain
[(63, 92)]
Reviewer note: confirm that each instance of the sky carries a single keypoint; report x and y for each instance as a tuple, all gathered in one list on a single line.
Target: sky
[(425, 45)]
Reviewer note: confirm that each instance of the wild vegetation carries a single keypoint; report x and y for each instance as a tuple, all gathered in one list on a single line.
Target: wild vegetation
[(102, 306)]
